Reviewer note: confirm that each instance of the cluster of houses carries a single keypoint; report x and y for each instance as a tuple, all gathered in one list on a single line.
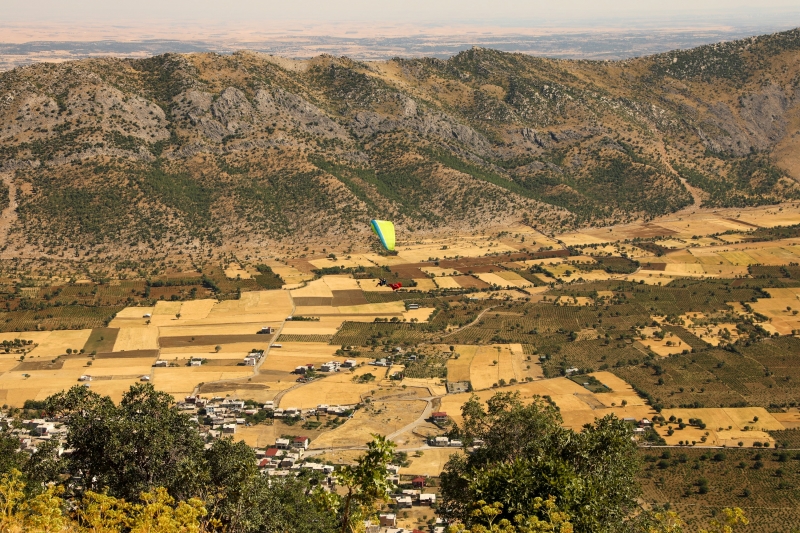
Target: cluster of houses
[(330, 366), (287, 457), (35, 431), (320, 410), (641, 426), (253, 358)]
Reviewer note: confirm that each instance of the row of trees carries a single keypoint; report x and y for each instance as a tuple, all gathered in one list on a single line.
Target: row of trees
[(141, 466)]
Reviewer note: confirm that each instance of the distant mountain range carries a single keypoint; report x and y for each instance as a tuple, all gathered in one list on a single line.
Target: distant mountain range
[(110, 155)]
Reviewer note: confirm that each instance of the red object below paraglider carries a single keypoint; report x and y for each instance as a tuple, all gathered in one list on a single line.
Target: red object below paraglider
[(396, 286)]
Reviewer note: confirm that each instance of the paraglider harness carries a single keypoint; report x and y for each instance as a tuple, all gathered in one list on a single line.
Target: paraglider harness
[(382, 282)]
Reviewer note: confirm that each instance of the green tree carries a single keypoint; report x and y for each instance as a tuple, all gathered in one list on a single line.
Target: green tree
[(366, 482), (143, 443), (10, 455), (527, 454)]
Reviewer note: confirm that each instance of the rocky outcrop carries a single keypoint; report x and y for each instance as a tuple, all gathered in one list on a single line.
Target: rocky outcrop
[(430, 124), (761, 123)]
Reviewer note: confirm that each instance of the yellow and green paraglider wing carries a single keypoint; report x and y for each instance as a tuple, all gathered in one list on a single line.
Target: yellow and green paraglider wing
[(385, 232)]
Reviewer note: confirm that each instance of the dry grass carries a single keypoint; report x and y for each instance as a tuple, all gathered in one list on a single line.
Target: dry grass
[(137, 339), (336, 389), (447, 283), (235, 271), (378, 417), (431, 463), (577, 405), (52, 343)]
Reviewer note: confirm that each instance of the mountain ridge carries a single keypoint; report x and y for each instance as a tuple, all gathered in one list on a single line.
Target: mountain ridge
[(202, 150)]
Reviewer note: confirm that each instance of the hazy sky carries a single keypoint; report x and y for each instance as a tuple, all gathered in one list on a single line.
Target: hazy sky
[(438, 12)]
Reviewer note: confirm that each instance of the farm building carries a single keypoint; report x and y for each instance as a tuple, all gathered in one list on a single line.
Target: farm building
[(330, 366), (404, 501), (427, 499), (441, 441), (301, 442), (439, 416), (418, 482)]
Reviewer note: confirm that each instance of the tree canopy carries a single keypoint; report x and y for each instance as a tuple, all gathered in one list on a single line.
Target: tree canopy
[(526, 457)]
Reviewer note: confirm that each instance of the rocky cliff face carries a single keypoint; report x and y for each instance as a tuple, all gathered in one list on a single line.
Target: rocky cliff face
[(204, 148)]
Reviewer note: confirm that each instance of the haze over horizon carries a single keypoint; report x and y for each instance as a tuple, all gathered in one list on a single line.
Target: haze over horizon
[(51, 30), (514, 13)]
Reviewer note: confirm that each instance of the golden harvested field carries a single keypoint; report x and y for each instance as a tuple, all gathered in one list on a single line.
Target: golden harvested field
[(350, 261), (440, 272), (235, 271), (687, 225), (432, 386), (419, 253), (458, 368), (241, 328), (492, 363), (725, 426), (135, 312), (651, 278), (447, 283), (340, 283), (548, 261), (337, 389), (259, 436), (53, 343), (790, 419), (573, 239), (783, 309), (182, 380), (578, 405), (293, 354), (290, 275), (137, 339), (383, 418), (503, 280), (312, 328), (196, 309), (382, 309), (577, 301), (662, 348), (169, 309), (511, 294), (476, 364), (431, 463), (422, 314), (684, 269), (711, 333), (425, 284)]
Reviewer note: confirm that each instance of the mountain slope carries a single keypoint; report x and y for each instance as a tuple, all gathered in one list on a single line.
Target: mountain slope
[(110, 155)]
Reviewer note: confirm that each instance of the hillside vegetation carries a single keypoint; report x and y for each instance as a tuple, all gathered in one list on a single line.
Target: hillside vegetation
[(110, 155)]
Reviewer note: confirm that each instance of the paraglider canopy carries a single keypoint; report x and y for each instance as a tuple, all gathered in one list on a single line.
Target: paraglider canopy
[(385, 232)]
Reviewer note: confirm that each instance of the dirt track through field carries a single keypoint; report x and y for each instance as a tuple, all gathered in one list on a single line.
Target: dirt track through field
[(257, 369)]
